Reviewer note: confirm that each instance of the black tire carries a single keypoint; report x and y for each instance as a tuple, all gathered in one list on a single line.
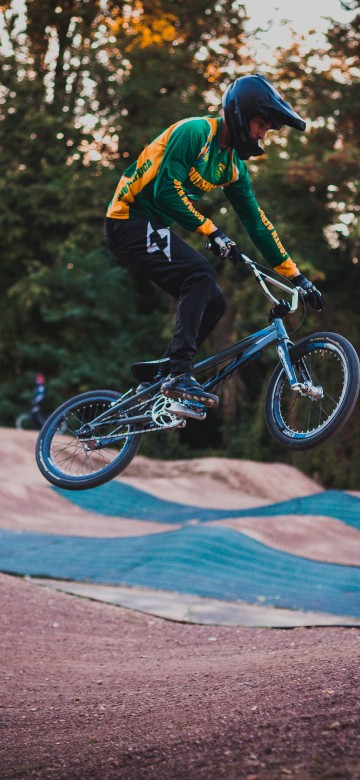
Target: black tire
[(300, 422), (77, 463)]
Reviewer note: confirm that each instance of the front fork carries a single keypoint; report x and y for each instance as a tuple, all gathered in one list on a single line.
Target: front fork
[(305, 388)]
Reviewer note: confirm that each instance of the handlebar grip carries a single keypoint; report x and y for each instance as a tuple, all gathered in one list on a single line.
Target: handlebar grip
[(237, 258)]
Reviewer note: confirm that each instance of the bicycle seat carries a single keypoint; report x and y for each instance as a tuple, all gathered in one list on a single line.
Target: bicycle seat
[(146, 370)]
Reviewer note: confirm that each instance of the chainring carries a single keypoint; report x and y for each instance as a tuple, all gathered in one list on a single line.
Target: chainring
[(163, 417)]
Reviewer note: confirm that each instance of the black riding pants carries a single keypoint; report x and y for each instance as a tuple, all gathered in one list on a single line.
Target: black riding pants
[(157, 254)]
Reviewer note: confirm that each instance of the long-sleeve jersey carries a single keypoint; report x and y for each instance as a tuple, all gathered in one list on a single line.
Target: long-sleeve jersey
[(174, 171)]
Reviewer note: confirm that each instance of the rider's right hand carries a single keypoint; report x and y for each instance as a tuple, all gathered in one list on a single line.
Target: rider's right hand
[(223, 246), (220, 244)]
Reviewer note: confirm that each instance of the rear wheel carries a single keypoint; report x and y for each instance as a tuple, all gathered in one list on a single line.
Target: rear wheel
[(300, 420), (75, 452)]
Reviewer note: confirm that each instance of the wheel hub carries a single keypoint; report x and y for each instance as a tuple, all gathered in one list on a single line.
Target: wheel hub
[(314, 392)]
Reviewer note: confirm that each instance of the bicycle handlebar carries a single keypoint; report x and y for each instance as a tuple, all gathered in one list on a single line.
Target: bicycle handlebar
[(261, 276)]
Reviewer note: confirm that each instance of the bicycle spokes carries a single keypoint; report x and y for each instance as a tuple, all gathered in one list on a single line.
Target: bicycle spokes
[(322, 384)]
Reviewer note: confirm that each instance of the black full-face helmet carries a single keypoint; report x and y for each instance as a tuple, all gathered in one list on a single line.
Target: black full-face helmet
[(249, 96)]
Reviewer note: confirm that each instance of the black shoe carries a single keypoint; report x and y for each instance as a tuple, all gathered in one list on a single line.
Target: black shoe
[(145, 385), (186, 386)]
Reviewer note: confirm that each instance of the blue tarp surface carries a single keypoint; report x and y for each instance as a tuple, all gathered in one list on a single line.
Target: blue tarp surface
[(205, 560), (210, 561), (120, 499)]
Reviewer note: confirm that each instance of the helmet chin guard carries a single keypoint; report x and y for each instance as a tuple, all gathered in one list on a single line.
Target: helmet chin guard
[(247, 97)]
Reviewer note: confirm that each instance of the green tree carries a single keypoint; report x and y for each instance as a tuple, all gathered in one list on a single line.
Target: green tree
[(85, 84), (309, 182)]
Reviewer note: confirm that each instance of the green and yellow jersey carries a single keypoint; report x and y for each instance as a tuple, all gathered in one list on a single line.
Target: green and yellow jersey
[(174, 171)]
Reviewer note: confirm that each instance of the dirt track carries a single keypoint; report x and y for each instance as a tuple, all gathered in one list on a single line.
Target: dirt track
[(94, 691)]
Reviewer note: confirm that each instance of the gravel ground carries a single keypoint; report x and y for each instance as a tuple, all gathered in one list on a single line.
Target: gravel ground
[(91, 690)]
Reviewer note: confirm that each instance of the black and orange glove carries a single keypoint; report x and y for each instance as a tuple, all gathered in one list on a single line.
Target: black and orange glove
[(310, 293)]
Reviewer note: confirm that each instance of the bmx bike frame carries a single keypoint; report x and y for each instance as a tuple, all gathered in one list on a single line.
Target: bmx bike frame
[(239, 354)]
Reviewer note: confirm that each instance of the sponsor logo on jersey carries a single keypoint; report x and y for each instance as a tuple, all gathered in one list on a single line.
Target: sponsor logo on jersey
[(137, 175), (187, 202), (273, 232), (196, 178)]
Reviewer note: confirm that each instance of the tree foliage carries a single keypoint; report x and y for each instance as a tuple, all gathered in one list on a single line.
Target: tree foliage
[(85, 84)]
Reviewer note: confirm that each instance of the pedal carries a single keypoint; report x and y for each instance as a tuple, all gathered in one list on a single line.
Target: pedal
[(191, 409)]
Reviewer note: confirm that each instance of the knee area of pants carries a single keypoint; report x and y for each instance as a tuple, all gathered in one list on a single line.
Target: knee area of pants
[(207, 274), (219, 305), (203, 282)]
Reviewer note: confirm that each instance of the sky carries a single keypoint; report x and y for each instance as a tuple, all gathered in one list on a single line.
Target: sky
[(303, 15)]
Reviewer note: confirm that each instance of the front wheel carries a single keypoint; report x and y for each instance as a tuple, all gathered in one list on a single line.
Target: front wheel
[(76, 452), (301, 420)]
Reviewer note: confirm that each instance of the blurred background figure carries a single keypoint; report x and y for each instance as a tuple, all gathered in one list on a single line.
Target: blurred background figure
[(33, 420)]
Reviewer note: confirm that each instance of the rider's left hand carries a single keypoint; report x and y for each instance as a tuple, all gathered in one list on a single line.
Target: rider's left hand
[(311, 293)]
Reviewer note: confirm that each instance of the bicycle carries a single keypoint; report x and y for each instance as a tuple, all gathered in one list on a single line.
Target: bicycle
[(33, 420), (27, 422), (311, 394)]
